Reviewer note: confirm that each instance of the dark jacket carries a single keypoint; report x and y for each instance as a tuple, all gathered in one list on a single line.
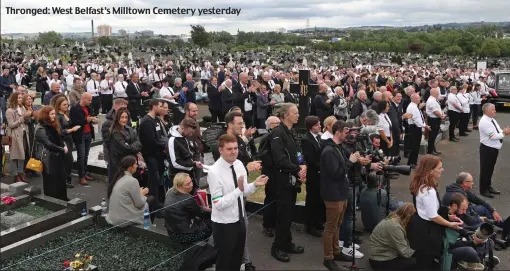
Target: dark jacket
[(134, 96), (181, 157), (152, 137), (471, 197), (227, 100), (284, 151), (395, 121), (322, 109), (105, 130), (334, 168), (357, 108), (41, 84), (312, 152), (77, 117), (52, 157), (239, 96), (121, 144), (214, 97), (182, 213), (5, 82), (263, 106)]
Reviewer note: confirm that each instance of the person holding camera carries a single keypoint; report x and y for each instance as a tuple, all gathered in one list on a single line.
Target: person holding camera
[(290, 173), (334, 168), (430, 216)]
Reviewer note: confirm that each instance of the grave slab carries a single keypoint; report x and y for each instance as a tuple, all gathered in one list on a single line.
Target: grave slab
[(16, 189)]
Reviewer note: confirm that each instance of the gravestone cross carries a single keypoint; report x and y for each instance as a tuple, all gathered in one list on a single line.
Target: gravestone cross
[(306, 92)]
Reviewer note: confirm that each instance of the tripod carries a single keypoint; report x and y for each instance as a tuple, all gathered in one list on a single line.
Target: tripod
[(353, 265)]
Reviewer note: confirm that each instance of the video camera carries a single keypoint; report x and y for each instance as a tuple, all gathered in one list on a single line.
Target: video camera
[(364, 147)]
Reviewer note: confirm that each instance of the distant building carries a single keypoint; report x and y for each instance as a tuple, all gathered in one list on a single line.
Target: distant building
[(335, 39), (104, 31), (145, 33), (122, 32)]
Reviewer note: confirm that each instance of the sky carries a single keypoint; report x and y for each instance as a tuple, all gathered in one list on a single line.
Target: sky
[(259, 15)]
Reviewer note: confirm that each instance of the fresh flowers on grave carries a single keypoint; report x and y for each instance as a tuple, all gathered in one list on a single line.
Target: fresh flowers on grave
[(7, 200), (79, 263)]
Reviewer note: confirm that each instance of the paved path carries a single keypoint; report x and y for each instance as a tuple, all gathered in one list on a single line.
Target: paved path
[(457, 157)]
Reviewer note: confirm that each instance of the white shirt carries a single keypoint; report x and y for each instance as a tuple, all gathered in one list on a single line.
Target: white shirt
[(247, 105), (453, 99), (432, 106), (417, 118), (224, 195), (105, 87), (427, 203), (19, 76), (385, 124), (93, 87), (326, 135), (166, 91), (120, 89), (489, 135), (477, 99), (70, 81), (464, 101), (484, 89)]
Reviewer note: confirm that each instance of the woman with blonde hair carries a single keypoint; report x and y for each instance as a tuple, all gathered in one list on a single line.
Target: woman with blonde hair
[(327, 131), (41, 79), (17, 130), (389, 249), (431, 217)]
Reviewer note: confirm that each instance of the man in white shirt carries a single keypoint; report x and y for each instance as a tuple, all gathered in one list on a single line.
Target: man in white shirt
[(434, 117), (464, 116), (491, 141), (416, 126), (106, 94), (454, 111), (120, 87), (166, 92), (70, 78), (476, 107), (54, 79), (227, 181), (93, 88)]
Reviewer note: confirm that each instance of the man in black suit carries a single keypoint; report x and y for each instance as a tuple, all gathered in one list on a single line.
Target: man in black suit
[(215, 104), (81, 114), (397, 107), (359, 105), (245, 97), (314, 206), (406, 100), (221, 76), (227, 96), (135, 94), (322, 103)]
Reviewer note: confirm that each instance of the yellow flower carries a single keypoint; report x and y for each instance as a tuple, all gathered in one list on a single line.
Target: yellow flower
[(77, 255)]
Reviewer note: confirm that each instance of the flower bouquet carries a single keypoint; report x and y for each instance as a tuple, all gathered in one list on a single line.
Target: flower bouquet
[(9, 201), (80, 263)]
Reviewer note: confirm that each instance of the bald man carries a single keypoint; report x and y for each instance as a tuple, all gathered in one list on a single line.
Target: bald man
[(434, 117), (244, 96), (80, 114), (54, 90), (416, 126)]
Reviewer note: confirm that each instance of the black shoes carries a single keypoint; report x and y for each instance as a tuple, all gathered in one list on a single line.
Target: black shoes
[(295, 249), (280, 255), (487, 194), (331, 265), (268, 232), (493, 191)]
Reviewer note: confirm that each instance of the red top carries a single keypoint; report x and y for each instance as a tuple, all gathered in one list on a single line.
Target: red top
[(86, 127)]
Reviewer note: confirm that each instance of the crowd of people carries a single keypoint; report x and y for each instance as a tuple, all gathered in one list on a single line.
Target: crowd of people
[(155, 164)]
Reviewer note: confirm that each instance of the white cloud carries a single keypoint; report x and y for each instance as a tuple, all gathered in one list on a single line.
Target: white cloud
[(260, 15)]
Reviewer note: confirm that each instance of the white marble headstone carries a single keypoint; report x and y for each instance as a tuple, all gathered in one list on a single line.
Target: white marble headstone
[(130, 56), (305, 62)]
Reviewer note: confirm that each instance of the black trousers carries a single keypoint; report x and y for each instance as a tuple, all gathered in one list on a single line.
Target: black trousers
[(68, 158), (434, 124), (475, 108), (134, 111), (395, 149), (217, 115), (96, 104), (488, 159), (106, 103), (454, 118), (156, 170), (269, 217), (248, 119), (314, 205), (229, 240), (407, 140), (398, 263), (285, 201), (415, 141), (463, 123)]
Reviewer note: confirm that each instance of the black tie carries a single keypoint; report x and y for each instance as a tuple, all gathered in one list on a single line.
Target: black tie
[(421, 114), (137, 87), (318, 140), (95, 86), (497, 130), (389, 122), (239, 205)]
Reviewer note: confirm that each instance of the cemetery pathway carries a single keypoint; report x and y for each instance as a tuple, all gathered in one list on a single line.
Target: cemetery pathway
[(457, 157)]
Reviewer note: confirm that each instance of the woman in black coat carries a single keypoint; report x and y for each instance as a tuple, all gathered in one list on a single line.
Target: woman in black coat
[(52, 149), (123, 140)]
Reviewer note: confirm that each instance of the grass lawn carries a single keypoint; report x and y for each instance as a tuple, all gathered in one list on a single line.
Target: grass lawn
[(260, 194)]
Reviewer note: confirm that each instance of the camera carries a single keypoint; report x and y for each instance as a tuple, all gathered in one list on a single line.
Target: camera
[(393, 160), (484, 231)]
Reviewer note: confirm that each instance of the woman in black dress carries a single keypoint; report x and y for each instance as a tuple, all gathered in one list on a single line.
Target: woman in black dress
[(52, 149), (62, 106)]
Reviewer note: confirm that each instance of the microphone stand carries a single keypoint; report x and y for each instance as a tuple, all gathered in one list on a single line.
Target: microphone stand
[(353, 265)]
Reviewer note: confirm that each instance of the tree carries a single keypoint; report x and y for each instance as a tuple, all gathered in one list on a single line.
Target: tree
[(453, 50), (199, 36), (222, 37), (51, 37), (490, 48), (105, 41), (157, 43)]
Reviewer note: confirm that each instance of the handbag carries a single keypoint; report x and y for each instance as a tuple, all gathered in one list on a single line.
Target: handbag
[(34, 164), (6, 141)]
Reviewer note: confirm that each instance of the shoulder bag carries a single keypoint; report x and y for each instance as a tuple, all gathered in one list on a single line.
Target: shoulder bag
[(34, 164)]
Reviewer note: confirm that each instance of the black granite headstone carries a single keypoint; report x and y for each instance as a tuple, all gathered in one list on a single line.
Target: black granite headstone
[(306, 93), (210, 135)]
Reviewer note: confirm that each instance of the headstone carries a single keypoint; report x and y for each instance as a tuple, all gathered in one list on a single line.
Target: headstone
[(77, 205), (210, 135), (16, 189), (130, 56), (9, 221), (305, 63), (306, 93)]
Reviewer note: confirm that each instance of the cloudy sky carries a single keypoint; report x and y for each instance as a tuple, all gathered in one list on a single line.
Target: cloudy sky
[(260, 15)]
